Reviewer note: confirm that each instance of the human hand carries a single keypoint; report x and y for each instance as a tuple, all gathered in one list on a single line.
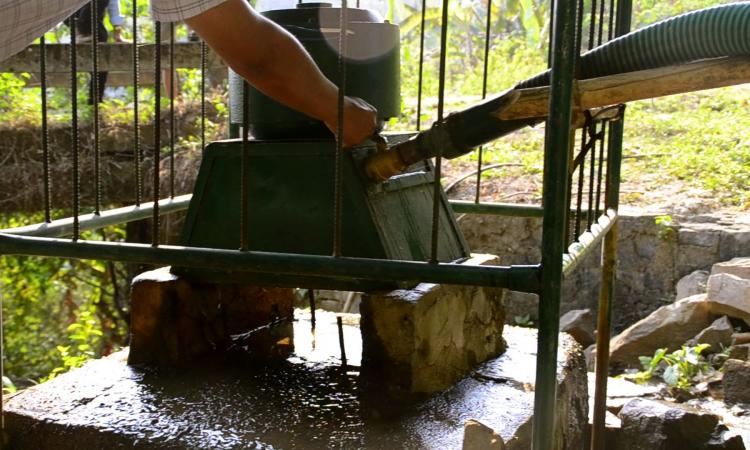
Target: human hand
[(117, 34), (360, 121)]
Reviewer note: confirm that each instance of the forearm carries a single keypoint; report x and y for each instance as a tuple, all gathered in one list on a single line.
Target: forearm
[(268, 57)]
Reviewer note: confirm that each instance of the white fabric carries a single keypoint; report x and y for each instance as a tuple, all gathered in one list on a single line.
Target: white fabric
[(22, 21)]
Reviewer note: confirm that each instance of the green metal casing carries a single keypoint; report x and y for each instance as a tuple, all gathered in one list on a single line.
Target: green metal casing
[(291, 198)]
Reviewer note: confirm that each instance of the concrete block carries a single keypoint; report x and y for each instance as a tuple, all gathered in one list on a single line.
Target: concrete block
[(422, 340), (174, 321)]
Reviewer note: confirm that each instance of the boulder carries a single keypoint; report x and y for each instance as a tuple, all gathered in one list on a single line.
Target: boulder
[(478, 436), (722, 439), (175, 322), (718, 335), (729, 295), (739, 267), (736, 381), (740, 338), (741, 352), (424, 339), (669, 326), (657, 425), (579, 323), (692, 284)]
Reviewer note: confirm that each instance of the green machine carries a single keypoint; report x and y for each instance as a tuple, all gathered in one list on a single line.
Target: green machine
[(290, 169)]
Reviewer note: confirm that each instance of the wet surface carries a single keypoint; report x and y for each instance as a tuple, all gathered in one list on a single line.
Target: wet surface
[(305, 402)]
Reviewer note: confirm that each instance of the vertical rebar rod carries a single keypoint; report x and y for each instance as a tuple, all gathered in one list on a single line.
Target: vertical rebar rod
[(74, 128), (203, 94), (592, 25), (600, 166), (611, 28), (95, 103), (338, 186), (601, 23), (486, 61), (172, 125), (136, 130), (609, 255), (556, 165), (47, 195), (342, 347), (311, 299), (244, 166), (570, 215), (2, 374), (592, 171), (579, 192), (437, 187), (421, 66), (157, 132)]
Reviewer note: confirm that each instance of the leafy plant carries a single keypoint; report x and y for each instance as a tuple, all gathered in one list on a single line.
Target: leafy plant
[(666, 227), (523, 321), (678, 369)]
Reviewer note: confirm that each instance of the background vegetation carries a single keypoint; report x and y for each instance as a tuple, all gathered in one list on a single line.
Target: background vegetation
[(57, 313)]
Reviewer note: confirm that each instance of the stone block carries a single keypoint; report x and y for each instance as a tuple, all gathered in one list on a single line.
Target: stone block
[(422, 340), (729, 295), (579, 323), (174, 321), (740, 352), (739, 267), (669, 326), (718, 335), (736, 381), (656, 425), (692, 284), (478, 436)]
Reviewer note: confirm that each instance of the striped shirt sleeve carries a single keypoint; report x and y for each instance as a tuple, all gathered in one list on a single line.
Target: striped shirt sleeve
[(176, 10)]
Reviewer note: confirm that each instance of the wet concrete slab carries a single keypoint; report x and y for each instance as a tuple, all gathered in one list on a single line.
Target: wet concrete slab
[(308, 401)]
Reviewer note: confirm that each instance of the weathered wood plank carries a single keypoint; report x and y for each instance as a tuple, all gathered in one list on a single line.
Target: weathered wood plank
[(640, 85)]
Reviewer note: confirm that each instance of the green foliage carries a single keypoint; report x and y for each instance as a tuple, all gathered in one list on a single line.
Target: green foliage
[(666, 227), (680, 369), (58, 313), (523, 321)]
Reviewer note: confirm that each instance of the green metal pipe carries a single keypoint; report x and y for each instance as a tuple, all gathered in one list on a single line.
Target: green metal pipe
[(64, 227), (497, 209), (556, 151), (577, 251), (519, 278)]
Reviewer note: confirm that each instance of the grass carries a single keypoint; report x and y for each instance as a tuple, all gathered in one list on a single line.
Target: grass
[(684, 149)]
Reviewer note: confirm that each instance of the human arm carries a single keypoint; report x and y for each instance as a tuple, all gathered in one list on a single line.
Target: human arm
[(274, 62), (116, 19)]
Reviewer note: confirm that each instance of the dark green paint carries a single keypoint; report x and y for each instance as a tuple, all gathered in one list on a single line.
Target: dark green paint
[(291, 209)]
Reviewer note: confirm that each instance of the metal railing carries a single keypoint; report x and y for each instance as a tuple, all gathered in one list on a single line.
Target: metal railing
[(579, 207)]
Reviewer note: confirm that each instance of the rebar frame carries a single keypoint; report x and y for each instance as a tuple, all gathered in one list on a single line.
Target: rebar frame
[(570, 232)]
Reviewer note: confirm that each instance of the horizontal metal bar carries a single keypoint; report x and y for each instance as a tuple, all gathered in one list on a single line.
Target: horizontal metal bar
[(64, 227), (520, 278), (588, 240), (497, 209)]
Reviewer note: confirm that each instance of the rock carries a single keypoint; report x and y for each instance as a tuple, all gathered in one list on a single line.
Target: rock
[(740, 338), (739, 267), (478, 436), (692, 284), (740, 352), (736, 381), (424, 339), (619, 392), (729, 295), (669, 326), (590, 355), (174, 322), (657, 425), (722, 440), (579, 323), (718, 335)]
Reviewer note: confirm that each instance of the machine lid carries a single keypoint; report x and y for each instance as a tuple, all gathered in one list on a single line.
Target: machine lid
[(320, 14)]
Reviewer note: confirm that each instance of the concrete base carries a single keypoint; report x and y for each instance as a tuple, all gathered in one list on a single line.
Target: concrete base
[(306, 402), (424, 339), (173, 321)]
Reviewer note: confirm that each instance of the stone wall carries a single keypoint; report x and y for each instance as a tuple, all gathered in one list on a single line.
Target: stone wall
[(651, 258)]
